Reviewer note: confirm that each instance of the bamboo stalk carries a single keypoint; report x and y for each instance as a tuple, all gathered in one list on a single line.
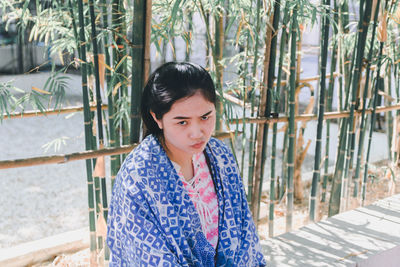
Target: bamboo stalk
[(147, 39), (378, 86), (363, 117), (116, 21), (337, 184), (111, 128), (100, 195), (243, 74), (262, 129), (396, 133), (88, 136), (138, 39), (329, 102), (389, 119), (188, 49), (112, 134), (96, 73), (291, 133), (217, 52), (379, 83), (318, 142), (279, 91), (362, 33), (74, 27), (123, 92), (271, 76), (252, 99)]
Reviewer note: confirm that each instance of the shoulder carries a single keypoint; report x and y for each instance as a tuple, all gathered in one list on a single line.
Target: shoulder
[(139, 164), (144, 152)]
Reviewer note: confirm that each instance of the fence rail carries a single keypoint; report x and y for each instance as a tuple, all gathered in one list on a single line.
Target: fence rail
[(37, 113), (64, 158), (309, 117)]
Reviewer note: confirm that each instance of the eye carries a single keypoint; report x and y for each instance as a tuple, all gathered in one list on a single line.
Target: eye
[(182, 122), (204, 118)]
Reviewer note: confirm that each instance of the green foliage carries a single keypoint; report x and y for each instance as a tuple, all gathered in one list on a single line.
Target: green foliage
[(8, 101), (56, 144), (32, 98), (56, 84)]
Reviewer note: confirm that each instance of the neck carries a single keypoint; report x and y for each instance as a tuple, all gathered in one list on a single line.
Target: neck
[(182, 159)]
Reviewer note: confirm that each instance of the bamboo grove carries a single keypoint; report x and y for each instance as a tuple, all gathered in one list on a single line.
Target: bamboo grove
[(254, 51)]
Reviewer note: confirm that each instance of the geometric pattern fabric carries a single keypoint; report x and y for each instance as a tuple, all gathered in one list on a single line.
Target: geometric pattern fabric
[(153, 222)]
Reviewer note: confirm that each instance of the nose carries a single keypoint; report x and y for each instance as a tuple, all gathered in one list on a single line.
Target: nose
[(196, 132)]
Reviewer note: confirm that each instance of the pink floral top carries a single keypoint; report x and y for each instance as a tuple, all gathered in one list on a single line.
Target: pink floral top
[(202, 193)]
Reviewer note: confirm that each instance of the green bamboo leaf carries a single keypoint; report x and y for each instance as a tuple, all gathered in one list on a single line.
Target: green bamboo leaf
[(25, 7), (56, 144), (175, 10), (314, 16)]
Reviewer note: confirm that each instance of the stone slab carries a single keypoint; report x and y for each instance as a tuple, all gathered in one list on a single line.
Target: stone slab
[(44, 249), (368, 236)]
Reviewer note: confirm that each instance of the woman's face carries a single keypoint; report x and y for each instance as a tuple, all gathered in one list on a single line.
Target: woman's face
[(188, 125)]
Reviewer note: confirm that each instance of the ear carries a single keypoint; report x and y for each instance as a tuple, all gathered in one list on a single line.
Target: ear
[(159, 123)]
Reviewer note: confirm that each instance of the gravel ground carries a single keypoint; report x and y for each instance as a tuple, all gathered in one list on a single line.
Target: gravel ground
[(42, 200)]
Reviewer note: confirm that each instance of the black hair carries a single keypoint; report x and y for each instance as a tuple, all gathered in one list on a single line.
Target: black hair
[(168, 83)]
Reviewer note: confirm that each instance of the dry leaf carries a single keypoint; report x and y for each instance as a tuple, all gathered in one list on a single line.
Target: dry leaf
[(91, 81), (89, 57), (101, 229), (46, 38), (120, 62), (40, 90), (385, 95), (382, 28), (279, 213), (116, 87), (374, 3), (310, 106), (239, 30), (60, 55), (94, 129), (100, 169), (102, 70), (36, 34), (396, 15)]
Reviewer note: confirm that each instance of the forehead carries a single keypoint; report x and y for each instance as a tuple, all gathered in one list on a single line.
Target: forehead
[(195, 105)]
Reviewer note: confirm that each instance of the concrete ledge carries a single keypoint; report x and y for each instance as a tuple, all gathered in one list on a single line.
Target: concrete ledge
[(365, 237), (44, 249)]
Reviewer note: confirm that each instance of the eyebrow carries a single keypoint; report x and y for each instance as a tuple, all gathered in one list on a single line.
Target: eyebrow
[(186, 118)]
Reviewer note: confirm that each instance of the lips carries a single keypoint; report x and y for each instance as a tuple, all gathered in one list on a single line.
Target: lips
[(198, 145)]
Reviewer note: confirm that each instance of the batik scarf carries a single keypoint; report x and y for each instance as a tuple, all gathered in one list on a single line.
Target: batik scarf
[(153, 222)]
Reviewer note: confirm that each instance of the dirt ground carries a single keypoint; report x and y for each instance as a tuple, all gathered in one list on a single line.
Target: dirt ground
[(384, 181)]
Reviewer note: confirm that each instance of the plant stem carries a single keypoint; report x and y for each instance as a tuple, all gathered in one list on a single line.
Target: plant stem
[(88, 133), (291, 133), (318, 142)]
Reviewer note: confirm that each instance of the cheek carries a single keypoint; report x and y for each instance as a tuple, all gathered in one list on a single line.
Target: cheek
[(174, 130), (211, 124)]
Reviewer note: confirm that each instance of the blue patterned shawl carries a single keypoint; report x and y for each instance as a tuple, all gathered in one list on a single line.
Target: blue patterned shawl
[(153, 222)]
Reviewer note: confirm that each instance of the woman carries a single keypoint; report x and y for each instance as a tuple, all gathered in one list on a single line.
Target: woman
[(178, 199)]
